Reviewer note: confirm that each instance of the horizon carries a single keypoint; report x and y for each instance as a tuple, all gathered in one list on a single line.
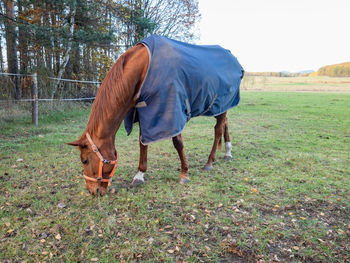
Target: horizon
[(276, 36)]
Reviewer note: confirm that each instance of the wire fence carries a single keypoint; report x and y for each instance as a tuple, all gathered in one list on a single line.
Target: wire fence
[(36, 88)]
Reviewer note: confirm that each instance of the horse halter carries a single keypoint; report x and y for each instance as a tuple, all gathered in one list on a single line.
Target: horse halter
[(99, 179)]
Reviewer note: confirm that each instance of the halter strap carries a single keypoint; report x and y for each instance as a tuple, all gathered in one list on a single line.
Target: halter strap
[(99, 179)]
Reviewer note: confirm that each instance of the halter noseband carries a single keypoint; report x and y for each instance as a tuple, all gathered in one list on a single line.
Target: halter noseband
[(99, 179)]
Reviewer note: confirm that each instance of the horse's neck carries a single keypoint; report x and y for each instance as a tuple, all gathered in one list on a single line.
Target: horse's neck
[(118, 94)]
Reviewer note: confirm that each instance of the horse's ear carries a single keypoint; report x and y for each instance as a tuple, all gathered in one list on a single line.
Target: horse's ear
[(77, 143)]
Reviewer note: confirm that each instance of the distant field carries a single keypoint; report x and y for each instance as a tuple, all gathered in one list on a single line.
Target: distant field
[(285, 196), (306, 84)]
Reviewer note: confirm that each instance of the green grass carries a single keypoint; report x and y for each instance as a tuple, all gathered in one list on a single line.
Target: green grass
[(285, 194)]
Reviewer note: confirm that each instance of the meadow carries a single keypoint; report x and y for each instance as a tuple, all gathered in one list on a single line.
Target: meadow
[(285, 196), (300, 84)]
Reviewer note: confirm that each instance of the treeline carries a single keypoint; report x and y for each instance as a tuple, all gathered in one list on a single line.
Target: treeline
[(274, 74), (79, 39), (337, 70)]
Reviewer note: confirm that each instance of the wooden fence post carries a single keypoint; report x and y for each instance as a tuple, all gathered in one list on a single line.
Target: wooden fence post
[(35, 100)]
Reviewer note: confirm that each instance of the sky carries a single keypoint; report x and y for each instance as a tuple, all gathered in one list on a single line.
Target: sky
[(279, 35)]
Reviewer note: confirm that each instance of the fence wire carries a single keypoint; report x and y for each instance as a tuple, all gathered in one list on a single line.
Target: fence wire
[(68, 89), (68, 94)]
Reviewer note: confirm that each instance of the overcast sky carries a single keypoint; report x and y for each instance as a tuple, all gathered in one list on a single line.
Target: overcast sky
[(277, 35)]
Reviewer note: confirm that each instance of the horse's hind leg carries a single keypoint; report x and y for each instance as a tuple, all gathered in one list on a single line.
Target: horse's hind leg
[(219, 127), (179, 146), (228, 146)]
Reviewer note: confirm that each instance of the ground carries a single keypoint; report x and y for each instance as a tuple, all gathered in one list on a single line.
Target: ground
[(284, 197)]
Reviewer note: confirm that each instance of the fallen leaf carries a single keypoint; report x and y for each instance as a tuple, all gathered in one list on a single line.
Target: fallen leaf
[(58, 237), (340, 231), (43, 235), (245, 179), (296, 248), (254, 190), (303, 218), (94, 259), (7, 224), (20, 160), (61, 205), (170, 251), (290, 213)]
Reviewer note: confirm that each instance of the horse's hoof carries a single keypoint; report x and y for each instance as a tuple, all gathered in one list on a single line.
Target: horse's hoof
[(184, 180), (137, 182), (208, 167), (227, 158)]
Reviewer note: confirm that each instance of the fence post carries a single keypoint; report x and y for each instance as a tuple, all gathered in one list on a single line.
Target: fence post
[(35, 100)]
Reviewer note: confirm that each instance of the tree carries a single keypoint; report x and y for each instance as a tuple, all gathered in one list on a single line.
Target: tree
[(82, 39), (174, 19), (11, 37), (68, 49)]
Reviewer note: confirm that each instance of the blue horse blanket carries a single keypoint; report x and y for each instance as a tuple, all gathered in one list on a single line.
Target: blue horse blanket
[(183, 81)]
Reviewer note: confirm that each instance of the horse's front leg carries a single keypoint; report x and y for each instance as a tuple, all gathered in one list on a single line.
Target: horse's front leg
[(139, 177), (179, 146)]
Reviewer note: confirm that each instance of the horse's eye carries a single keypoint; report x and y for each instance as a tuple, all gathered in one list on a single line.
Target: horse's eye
[(85, 162)]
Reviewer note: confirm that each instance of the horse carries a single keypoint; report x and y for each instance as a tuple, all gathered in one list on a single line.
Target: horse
[(120, 98)]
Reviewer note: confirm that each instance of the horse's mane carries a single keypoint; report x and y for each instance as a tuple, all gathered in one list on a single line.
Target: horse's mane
[(114, 92), (110, 92)]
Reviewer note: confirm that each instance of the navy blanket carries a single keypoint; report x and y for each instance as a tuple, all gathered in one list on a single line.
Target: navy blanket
[(183, 81)]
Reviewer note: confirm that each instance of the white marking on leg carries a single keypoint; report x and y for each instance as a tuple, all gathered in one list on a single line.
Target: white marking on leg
[(228, 148), (139, 176)]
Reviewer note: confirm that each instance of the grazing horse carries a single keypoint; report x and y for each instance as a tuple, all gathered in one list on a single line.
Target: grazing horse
[(160, 83)]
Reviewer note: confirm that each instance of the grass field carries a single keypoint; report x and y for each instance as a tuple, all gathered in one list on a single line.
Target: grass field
[(284, 197), (302, 84)]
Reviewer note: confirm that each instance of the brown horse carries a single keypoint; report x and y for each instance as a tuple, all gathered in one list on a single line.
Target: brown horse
[(116, 97)]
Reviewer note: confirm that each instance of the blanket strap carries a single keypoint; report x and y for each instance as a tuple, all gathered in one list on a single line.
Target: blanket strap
[(141, 104), (188, 106)]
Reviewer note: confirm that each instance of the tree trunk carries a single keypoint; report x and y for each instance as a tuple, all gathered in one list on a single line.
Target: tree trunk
[(1, 34), (55, 45), (1, 58), (10, 32), (68, 51), (23, 38), (48, 47)]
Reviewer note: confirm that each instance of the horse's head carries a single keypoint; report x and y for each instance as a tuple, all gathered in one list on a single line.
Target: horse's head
[(99, 163)]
